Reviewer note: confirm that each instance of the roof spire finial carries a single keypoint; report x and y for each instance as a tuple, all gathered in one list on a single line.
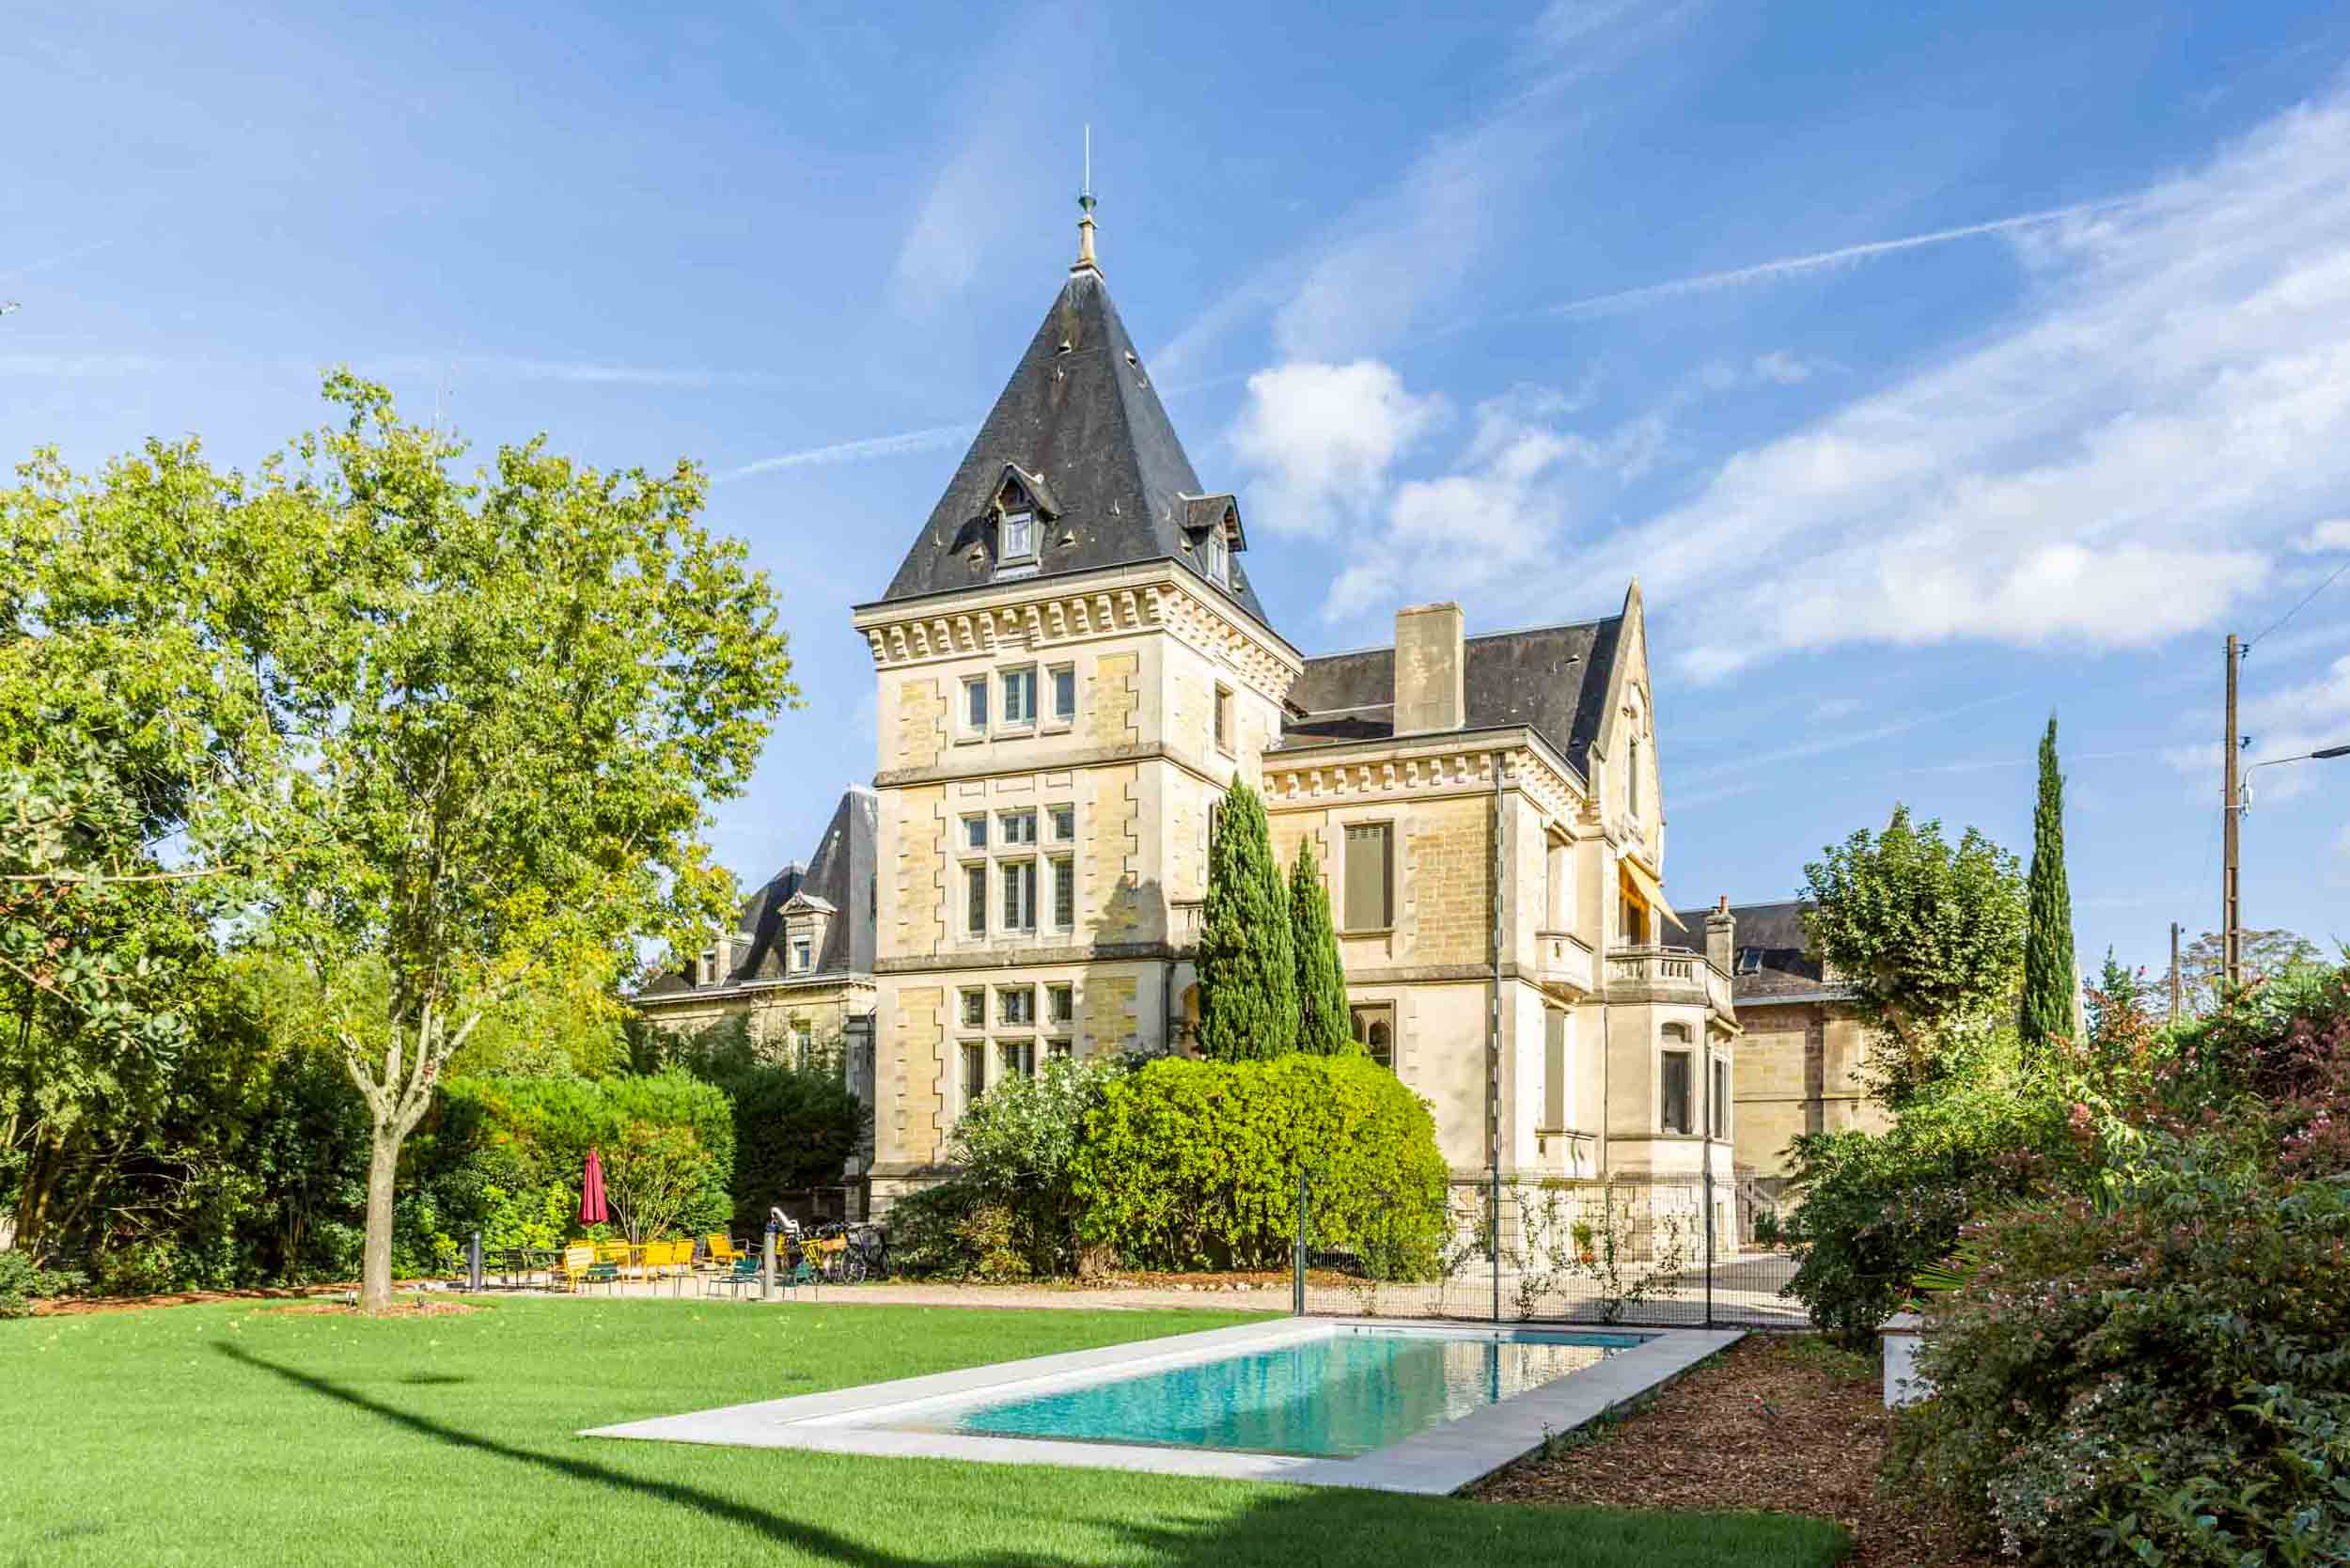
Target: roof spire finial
[(1085, 261)]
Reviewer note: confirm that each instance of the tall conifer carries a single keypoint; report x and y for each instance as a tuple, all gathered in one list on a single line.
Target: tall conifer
[(2050, 981), (1322, 1021), (1247, 954)]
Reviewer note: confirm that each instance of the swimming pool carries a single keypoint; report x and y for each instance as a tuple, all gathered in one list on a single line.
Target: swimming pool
[(1425, 1408), (1336, 1396)]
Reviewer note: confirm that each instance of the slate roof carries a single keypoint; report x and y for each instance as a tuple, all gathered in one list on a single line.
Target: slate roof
[(1553, 678), (1775, 930), (839, 876), (1079, 414)]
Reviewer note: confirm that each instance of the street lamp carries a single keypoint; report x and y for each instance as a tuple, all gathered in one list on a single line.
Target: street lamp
[(2324, 754)]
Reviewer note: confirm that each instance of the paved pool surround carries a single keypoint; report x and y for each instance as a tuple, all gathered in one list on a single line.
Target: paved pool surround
[(876, 1417)]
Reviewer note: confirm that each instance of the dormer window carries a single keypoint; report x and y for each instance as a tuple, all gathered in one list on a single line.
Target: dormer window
[(802, 955), (1219, 558), (1019, 535)]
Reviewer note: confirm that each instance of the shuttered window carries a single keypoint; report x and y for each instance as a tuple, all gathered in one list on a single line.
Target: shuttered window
[(1370, 877)]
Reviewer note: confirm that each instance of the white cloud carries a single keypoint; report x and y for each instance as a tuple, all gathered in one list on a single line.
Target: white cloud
[(1782, 367), (2325, 538), (1322, 439), (2103, 471)]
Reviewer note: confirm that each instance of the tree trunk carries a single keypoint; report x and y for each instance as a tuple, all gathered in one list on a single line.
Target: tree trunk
[(375, 1269)]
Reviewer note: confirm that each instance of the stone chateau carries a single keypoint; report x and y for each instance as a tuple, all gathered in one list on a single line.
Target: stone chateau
[(1074, 667)]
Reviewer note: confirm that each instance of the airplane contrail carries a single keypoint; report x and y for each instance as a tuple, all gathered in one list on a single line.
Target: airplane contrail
[(856, 451)]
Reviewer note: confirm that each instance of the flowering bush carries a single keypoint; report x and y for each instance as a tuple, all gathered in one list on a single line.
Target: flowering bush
[(2163, 1379)]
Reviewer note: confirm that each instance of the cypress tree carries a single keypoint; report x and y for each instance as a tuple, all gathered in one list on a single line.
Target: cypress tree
[(2050, 979), (1247, 960), (1322, 1021)]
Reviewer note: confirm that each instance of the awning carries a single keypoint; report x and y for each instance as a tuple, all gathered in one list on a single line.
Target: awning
[(1651, 889)]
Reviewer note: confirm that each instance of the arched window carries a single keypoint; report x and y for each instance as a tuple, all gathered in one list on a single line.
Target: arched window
[(1382, 1044)]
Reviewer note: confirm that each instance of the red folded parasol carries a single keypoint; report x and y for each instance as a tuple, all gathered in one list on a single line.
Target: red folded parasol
[(592, 1210)]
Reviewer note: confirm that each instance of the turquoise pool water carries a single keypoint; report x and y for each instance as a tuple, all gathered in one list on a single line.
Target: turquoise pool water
[(1335, 1397)]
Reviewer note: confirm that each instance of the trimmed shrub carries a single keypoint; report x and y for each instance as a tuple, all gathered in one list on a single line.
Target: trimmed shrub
[(1195, 1165)]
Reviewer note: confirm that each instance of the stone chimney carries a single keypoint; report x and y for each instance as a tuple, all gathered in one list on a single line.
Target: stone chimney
[(1431, 669), (1721, 937), (721, 957)]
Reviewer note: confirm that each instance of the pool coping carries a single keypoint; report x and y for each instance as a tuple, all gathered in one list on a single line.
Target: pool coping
[(1441, 1460)]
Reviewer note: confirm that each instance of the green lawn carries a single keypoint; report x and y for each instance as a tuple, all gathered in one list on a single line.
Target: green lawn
[(245, 1438)]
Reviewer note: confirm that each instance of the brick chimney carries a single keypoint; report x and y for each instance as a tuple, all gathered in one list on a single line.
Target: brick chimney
[(1721, 936), (1431, 669)]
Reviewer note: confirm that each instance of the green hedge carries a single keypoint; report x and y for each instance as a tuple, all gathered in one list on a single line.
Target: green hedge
[(1195, 1165)]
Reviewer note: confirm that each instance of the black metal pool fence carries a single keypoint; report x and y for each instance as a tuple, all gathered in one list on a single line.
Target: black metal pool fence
[(1658, 1252)]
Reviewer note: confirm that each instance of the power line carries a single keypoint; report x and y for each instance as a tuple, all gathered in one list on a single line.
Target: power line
[(2305, 599)]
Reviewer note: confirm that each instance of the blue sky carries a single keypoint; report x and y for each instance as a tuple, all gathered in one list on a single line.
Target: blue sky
[(1933, 370)]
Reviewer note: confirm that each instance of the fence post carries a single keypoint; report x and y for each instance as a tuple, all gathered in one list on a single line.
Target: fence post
[(1297, 1256), (473, 1262), (1496, 1244), (1709, 1233)]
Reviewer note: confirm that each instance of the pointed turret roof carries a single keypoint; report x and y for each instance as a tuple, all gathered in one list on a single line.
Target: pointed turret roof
[(1081, 433)]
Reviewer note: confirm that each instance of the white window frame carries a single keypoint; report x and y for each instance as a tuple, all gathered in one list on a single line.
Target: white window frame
[(1056, 717), (1016, 889), (979, 928), (803, 953), (1024, 520), (975, 844), (1220, 556), (1016, 828), (969, 727), (1019, 678), (1062, 879)]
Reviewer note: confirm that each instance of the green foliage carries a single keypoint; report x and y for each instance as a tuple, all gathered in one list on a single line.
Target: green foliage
[(1196, 1164), (1018, 1150), (2162, 1377), (2271, 954), (1247, 963), (795, 1124), (23, 1282), (1929, 938), (2049, 972), (503, 1156), (1876, 1208), (1323, 1027)]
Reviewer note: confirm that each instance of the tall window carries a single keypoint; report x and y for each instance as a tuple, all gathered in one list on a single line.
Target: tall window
[(1554, 1068), (975, 705), (1632, 774), (1370, 876), (974, 1071), (1019, 895), (1375, 1031), (1018, 535), (1718, 1111), (974, 899), (1064, 693), (1064, 895), (1020, 695), (1673, 1093), (1224, 718), (803, 1044), (1060, 1004)]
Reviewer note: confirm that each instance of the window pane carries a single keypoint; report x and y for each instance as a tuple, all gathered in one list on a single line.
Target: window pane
[(1554, 1068), (974, 899), (974, 1071), (975, 700), (1019, 534), (1064, 895), (1020, 895), (1675, 1093), (1063, 1000), (1064, 823), (1065, 692), (1058, 1048), (1719, 1107), (1019, 696), (975, 832), (1018, 827), (975, 1008), (1223, 718)]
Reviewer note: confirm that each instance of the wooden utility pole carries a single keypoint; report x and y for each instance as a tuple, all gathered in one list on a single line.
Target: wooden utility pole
[(2174, 973), (2231, 807)]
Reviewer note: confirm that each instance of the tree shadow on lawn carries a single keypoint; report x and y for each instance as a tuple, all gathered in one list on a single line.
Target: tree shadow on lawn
[(1307, 1527)]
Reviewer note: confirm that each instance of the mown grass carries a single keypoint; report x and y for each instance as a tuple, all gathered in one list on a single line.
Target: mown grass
[(240, 1437)]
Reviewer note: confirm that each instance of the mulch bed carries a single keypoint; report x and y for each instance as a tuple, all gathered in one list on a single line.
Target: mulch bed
[(72, 1305), (1707, 1442)]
